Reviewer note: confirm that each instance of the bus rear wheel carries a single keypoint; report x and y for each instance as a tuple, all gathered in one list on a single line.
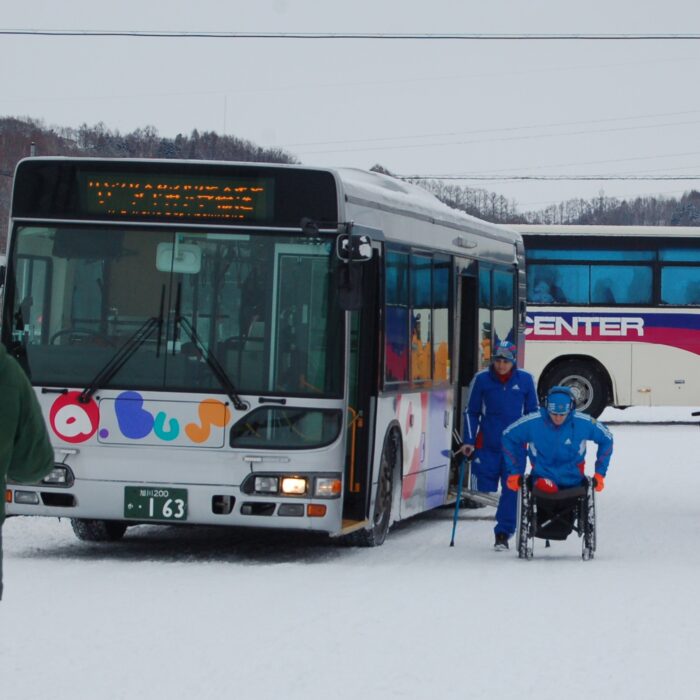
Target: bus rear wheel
[(586, 382), (375, 535), (98, 530)]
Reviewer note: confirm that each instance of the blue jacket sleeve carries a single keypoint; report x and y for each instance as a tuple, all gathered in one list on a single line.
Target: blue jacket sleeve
[(514, 442), (603, 438), (472, 413), (531, 402)]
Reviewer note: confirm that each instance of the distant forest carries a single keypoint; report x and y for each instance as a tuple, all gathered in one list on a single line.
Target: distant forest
[(17, 136)]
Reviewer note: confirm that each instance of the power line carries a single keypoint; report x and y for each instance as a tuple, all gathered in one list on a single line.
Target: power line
[(382, 36), (480, 141), (495, 178), (471, 132)]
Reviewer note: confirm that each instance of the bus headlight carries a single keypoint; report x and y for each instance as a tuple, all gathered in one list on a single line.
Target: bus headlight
[(327, 487), (60, 475), (294, 485), (266, 484)]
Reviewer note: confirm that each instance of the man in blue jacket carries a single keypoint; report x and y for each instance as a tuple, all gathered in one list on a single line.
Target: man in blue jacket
[(555, 438), (498, 396)]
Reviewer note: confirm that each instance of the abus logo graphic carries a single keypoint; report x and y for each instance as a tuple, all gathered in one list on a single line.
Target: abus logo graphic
[(73, 421)]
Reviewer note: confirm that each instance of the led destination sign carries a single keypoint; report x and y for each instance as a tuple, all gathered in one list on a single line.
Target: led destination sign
[(175, 197), (182, 192)]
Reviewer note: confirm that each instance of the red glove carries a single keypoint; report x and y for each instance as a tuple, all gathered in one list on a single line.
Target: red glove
[(598, 482), (546, 485), (514, 481)]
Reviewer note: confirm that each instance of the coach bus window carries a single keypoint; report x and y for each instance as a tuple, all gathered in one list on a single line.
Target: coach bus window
[(586, 255), (421, 317), (618, 284), (680, 285), (557, 284), (679, 255), (396, 328), (441, 319)]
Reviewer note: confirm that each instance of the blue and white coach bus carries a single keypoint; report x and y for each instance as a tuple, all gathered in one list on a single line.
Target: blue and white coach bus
[(614, 312), (248, 344)]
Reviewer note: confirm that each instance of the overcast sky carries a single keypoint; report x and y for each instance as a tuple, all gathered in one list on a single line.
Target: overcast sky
[(416, 107)]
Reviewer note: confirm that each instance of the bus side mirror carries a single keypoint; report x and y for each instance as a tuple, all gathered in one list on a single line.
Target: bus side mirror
[(351, 248), (2, 276)]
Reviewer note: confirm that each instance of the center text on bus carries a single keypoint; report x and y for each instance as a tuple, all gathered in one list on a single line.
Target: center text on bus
[(585, 326)]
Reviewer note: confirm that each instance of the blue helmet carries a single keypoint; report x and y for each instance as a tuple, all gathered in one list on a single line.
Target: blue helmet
[(506, 350), (560, 400)]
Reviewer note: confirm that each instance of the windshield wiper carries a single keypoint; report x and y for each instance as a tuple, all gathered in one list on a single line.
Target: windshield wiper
[(120, 358), (214, 364), (125, 352)]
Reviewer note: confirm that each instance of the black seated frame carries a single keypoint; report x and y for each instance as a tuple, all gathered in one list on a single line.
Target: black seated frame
[(556, 515)]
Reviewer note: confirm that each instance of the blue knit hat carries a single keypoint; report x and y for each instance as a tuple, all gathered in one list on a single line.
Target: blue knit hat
[(506, 350), (560, 400)]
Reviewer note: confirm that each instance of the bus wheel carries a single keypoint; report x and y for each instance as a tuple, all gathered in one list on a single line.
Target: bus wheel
[(98, 530), (375, 535), (586, 382)]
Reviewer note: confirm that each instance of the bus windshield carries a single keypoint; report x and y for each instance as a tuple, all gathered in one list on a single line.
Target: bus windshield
[(263, 304)]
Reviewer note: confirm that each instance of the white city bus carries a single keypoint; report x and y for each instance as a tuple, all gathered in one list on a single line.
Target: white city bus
[(614, 312), (247, 344)]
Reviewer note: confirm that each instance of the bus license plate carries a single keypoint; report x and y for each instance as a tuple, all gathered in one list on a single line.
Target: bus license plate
[(155, 503)]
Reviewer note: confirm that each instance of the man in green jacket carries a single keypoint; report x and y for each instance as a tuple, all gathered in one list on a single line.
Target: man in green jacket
[(26, 454)]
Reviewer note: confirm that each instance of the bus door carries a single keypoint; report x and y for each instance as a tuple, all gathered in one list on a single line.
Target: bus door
[(364, 334), (467, 318)]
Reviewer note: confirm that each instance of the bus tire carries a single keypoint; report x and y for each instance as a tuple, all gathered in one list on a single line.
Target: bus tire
[(375, 535), (585, 379), (98, 530)]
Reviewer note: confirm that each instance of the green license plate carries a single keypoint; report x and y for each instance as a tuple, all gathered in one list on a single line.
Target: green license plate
[(155, 503)]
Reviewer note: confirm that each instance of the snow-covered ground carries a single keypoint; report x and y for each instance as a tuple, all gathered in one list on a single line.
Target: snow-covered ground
[(206, 613)]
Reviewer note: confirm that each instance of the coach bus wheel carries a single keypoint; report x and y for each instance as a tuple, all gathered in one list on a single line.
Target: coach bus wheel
[(375, 535), (585, 381), (98, 530)]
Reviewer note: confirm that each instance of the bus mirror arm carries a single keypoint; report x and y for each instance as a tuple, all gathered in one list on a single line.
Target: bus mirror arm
[(349, 286)]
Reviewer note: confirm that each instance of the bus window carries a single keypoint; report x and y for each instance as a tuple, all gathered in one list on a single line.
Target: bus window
[(441, 321), (484, 318), (503, 306), (618, 284), (557, 284), (680, 255), (680, 285), (396, 329), (33, 280), (421, 317)]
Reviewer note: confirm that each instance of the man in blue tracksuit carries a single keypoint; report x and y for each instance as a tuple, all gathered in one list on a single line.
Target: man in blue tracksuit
[(555, 438), (498, 396)]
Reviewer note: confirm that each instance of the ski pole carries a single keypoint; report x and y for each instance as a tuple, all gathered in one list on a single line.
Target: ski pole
[(459, 498)]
